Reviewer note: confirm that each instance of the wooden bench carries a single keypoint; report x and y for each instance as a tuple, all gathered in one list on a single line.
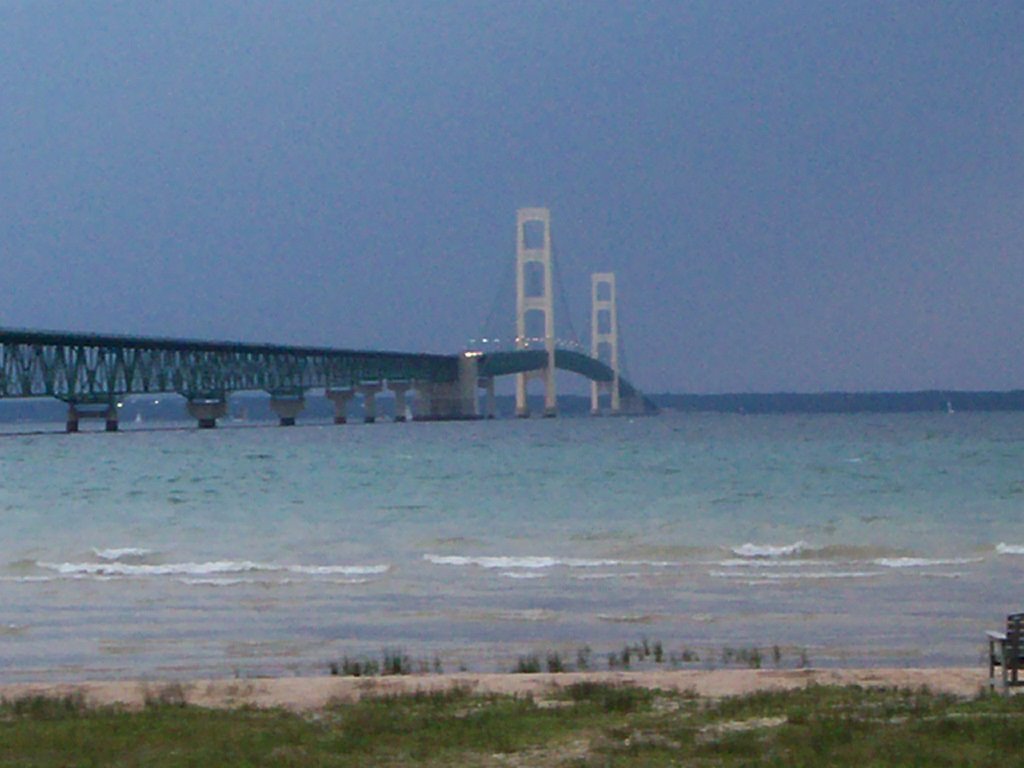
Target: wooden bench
[(1006, 650)]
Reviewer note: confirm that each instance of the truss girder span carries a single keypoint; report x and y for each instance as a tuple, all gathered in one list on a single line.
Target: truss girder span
[(511, 362), (87, 368)]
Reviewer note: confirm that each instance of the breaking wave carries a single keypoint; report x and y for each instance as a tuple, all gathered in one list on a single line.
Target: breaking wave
[(924, 562), (122, 553), (750, 550), (536, 562), (521, 575), (795, 575), (109, 569)]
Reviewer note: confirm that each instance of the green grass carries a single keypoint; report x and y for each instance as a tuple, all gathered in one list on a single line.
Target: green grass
[(588, 725)]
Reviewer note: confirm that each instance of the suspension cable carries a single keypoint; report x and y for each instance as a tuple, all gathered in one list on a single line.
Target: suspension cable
[(560, 283)]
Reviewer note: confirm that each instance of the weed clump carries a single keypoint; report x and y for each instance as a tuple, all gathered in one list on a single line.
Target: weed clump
[(46, 707), (609, 698), (395, 662), (169, 695), (747, 657), (659, 652), (528, 665), (555, 663), (583, 658)]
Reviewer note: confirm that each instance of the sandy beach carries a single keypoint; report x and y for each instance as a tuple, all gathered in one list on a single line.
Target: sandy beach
[(311, 693)]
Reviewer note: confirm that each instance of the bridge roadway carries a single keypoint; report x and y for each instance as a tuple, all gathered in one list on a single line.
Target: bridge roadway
[(91, 373)]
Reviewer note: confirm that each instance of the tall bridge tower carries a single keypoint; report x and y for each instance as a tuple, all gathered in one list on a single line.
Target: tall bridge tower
[(604, 336), (535, 302)]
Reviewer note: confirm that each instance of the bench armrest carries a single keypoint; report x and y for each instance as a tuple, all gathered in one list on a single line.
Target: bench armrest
[(1001, 636)]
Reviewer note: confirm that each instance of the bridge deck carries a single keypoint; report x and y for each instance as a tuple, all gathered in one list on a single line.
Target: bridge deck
[(84, 367)]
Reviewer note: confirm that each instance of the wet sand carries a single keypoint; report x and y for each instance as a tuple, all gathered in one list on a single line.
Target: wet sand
[(311, 693)]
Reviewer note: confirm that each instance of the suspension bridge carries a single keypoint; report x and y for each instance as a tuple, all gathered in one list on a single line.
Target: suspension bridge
[(93, 374)]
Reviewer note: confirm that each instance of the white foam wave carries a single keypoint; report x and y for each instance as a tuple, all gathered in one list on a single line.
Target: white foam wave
[(521, 575), (205, 569), (923, 562), (537, 562), (216, 582), (796, 575), (341, 570), (606, 576), (770, 550), (1009, 549), (121, 553), (516, 562), (769, 563)]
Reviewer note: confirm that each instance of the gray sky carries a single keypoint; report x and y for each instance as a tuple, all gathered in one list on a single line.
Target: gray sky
[(795, 195)]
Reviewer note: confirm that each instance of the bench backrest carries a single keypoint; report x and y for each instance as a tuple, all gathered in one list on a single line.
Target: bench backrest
[(1015, 634)]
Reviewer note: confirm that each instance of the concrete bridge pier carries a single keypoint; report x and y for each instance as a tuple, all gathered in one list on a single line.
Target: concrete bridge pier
[(340, 398), (369, 392), (436, 401), (443, 401), (206, 410), (401, 389), (490, 403), (287, 407), (78, 411), (550, 401), (546, 374), (423, 405), (522, 406)]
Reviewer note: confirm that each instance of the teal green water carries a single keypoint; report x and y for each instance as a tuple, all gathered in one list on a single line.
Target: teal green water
[(862, 539)]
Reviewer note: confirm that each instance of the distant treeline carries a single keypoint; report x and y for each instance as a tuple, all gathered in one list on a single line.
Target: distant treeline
[(845, 402)]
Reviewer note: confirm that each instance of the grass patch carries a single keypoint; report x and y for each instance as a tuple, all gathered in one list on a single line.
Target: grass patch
[(590, 724)]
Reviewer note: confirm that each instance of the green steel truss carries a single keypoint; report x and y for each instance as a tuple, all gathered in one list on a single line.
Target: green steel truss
[(521, 361), (88, 368)]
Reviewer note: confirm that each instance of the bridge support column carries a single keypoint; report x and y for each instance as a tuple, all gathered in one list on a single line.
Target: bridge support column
[(535, 296), (450, 400), (400, 388), (550, 399), (469, 368), (547, 374), (437, 401), (490, 404), (340, 398), (604, 337), (423, 405), (206, 411), (78, 411), (369, 393), (522, 406), (287, 408)]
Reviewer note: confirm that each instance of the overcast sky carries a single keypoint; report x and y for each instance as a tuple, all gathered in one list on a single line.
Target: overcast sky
[(794, 195)]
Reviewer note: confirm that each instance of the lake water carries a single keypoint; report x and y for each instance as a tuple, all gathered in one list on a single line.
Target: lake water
[(850, 540)]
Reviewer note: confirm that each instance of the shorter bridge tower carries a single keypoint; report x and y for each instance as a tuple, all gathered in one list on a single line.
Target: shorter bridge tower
[(604, 337), (535, 295)]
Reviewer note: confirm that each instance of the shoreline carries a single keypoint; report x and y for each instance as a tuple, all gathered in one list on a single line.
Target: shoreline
[(302, 694)]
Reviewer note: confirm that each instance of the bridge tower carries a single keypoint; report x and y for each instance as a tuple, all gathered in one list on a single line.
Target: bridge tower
[(604, 336), (535, 295)]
